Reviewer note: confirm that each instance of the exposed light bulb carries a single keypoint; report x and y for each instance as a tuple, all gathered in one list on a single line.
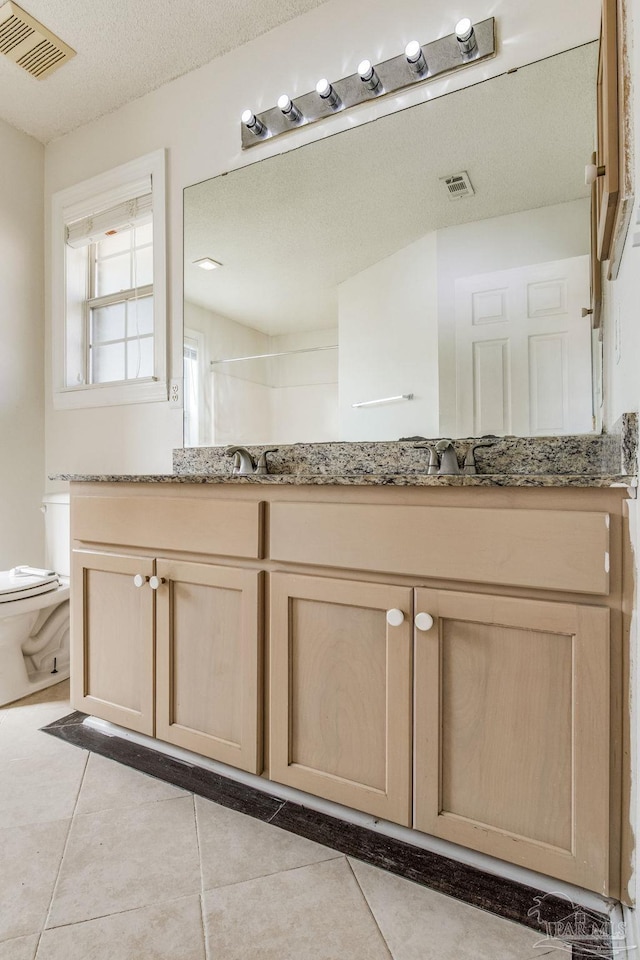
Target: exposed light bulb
[(415, 57), (289, 109), (369, 77), (464, 28), (465, 35), (252, 123), (328, 94)]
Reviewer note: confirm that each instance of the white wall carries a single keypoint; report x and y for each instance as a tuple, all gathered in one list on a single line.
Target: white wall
[(21, 348), (304, 398), (280, 400), (388, 327), (196, 118), (516, 240)]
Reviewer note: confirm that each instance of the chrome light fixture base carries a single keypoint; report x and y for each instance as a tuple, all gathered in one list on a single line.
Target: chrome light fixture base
[(441, 56)]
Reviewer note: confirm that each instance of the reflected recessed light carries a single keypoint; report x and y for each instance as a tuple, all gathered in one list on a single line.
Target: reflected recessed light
[(207, 263)]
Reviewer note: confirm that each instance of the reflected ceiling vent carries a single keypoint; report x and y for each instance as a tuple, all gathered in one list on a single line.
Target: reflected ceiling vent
[(458, 185), (26, 42)]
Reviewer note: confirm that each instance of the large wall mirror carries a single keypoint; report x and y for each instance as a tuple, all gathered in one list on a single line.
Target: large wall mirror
[(362, 297)]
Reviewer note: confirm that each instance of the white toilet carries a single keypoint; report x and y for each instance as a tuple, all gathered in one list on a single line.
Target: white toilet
[(34, 614)]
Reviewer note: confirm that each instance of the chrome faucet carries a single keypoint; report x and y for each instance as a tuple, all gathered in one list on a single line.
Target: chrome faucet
[(448, 459), (243, 464), (442, 458)]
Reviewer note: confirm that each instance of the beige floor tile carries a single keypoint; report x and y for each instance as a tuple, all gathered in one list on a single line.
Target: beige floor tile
[(20, 723), (164, 931), (121, 859), (312, 913), (41, 788), (30, 858), (108, 784), (22, 949), (420, 924), (20, 742), (234, 847), (56, 693)]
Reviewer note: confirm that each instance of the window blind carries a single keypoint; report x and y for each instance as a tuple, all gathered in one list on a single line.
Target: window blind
[(128, 213)]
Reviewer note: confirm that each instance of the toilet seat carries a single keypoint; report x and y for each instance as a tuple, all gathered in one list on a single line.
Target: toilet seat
[(16, 585)]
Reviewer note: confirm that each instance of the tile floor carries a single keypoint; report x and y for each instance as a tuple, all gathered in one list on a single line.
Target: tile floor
[(100, 862)]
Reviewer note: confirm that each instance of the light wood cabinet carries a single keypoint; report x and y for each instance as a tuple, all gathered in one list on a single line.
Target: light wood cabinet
[(340, 698), (112, 651), (500, 727), (512, 730), (209, 661), (171, 649)]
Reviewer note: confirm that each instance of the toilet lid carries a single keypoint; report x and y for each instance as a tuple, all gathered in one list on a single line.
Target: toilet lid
[(20, 586)]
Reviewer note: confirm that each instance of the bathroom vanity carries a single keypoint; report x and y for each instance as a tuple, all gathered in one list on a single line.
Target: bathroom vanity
[(446, 653)]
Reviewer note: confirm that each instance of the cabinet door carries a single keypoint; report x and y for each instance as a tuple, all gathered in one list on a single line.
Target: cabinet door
[(512, 731), (341, 701), (209, 661), (112, 639)]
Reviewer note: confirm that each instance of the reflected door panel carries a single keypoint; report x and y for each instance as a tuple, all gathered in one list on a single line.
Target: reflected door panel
[(523, 351)]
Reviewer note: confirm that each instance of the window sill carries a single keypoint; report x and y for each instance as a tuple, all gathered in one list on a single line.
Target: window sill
[(110, 395)]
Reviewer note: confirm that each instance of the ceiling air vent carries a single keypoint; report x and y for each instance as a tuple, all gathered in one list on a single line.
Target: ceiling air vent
[(26, 42), (458, 185)]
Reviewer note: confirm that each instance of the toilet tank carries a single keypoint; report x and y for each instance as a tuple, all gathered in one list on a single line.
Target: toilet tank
[(57, 526)]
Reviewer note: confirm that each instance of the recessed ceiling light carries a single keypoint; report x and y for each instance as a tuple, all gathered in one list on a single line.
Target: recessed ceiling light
[(207, 263)]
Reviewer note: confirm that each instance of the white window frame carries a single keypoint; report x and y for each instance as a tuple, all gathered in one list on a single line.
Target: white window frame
[(81, 200)]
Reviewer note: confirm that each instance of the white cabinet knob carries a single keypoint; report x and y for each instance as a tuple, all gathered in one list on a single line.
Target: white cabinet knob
[(154, 582), (423, 621), (592, 172), (138, 580), (395, 617)]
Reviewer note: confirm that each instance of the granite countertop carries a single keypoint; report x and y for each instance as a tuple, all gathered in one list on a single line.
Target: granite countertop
[(367, 479)]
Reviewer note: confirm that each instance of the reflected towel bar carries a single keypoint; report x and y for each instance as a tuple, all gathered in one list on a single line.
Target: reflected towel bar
[(372, 403)]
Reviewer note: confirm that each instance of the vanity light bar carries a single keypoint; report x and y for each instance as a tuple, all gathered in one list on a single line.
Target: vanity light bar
[(469, 43)]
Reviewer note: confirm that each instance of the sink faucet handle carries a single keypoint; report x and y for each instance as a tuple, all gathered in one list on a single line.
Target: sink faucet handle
[(434, 464), (263, 464), (470, 467)]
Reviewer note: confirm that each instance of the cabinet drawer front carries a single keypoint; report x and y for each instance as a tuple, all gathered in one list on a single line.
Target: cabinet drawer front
[(547, 549), (224, 527)]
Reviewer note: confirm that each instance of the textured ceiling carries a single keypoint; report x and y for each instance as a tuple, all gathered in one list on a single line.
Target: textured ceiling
[(126, 48), (289, 228)]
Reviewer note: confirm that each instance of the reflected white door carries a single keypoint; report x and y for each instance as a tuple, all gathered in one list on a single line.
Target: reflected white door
[(523, 350)]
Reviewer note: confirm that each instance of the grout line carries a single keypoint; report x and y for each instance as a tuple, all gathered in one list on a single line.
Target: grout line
[(195, 817), (118, 913), (64, 850), (369, 907), (265, 876), (207, 952)]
